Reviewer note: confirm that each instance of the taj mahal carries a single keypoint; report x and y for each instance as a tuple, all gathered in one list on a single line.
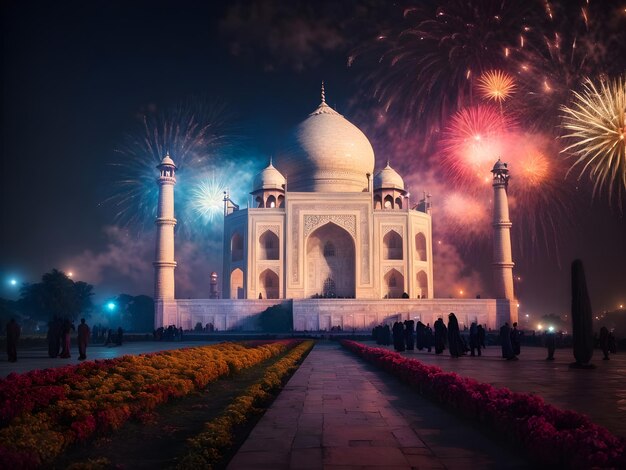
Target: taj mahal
[(325, 235)]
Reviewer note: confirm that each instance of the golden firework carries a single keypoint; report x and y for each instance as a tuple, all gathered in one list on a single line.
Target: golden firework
[(496, 85), (595, 128)]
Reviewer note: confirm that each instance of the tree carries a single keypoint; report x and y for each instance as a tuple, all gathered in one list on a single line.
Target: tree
[(137, 312), (276, 319), (56, 295)]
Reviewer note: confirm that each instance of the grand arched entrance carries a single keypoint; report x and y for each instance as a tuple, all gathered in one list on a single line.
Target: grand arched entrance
[(330, 263)]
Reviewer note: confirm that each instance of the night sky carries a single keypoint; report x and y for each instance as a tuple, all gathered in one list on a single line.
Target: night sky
[(77, 77)]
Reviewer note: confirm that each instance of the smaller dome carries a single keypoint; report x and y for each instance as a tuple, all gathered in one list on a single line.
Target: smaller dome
[(388, 178), (500, 166), (269, 178), (167, 161)]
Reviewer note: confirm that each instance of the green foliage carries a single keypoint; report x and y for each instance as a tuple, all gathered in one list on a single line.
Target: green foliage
[(56, 295), (276, 319), (582, 324), (137, 312)]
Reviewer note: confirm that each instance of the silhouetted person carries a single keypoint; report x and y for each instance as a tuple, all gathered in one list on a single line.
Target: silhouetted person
[(66, 338), (420, 339), (455, 343), (604, 342), (440, 336), (386, 335), (83, 339), (398, 336), (109, 339), (516, 340), (428, 337), (473, 339), (54, 336), (550, 339), (13, 334), (505, 342), (120, 336), (409, 334), (481, 336), (612, 344)]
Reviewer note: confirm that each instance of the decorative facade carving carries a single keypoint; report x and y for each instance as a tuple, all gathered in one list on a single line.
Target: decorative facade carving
[(395, 228), (347, 222), (275, 229)]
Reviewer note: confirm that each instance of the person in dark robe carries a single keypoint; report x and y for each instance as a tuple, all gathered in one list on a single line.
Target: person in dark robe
[(66, 331), (505, 342), (516, 343), (440, 336), (612, 343), (54, 337), (120, 336), (481, 336), (550, 339), (13, 334), (409, 335), (455, 343), (83, 339), (604, 342), (428, 337), (473, 339), (398, 336), (419, 336)]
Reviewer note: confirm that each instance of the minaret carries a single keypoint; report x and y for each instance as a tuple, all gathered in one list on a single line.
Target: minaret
[(164, 263), (502, 258)]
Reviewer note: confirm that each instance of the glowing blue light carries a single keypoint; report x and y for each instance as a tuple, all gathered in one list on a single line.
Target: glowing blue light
[(551, 328), (111, 306), (13, 282)]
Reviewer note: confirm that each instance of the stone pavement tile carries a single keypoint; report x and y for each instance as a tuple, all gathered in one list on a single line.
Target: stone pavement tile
[(416, 451), (306, 458), (367, 467), (265, 444), (260, 460), (406, 437), (381, 457), (307, 441)]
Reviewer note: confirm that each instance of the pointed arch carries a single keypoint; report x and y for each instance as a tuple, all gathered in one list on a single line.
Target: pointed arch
[(330, 254), (394, 284), (420, 247), (236, 247), (281, 201), (378, 201), (398, 203), (422, 285), (269, 246), (388, 202), (269, 287), (236, 284), (271, 202), (392, 245), (259, 202)]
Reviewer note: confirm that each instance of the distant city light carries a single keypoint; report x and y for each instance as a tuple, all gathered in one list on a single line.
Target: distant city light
[(550, 328), (621, 305), (70, 274), (461, 292), (540, 326), (527, 315)]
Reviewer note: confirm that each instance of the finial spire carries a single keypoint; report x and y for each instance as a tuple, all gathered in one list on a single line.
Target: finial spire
[(271, 162), (323, 93), (388, 162)]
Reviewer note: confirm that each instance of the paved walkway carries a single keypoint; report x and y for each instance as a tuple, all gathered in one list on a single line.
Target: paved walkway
[(338, 412), (37, 358), (599, 393)]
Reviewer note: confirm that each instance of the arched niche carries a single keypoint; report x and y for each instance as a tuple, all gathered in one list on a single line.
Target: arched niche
[(420, 247), (269, 285), (236, 284), (236, 247), (388, 202), (398, 203), (422, 285), (394, 284), (271, 202), (392, 245), (330, 255), (269, 246), (378, 201)]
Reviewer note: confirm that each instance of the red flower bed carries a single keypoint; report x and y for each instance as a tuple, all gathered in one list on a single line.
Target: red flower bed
[(552, 436)]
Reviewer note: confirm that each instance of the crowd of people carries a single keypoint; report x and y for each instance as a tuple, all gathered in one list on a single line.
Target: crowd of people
[(171, 333), (410, 335)]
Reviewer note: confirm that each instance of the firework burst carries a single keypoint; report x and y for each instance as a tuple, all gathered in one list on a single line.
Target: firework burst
[(496, 85), (594, 127), (472, 142), (192, 132)]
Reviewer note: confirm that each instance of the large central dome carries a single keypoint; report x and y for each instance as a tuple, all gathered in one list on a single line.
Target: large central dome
[(327, 153)]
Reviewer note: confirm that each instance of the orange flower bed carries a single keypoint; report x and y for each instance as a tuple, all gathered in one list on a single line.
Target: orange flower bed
[(44, 412)]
